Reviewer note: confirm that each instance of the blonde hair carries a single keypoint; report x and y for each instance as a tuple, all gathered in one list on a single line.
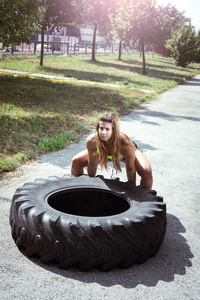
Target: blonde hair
[(115, 141)]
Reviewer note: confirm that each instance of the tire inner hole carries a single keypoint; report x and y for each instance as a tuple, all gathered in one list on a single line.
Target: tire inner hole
[(88, 202)]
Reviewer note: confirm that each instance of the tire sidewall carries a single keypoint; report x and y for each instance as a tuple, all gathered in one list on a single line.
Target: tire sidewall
[(39, 191)]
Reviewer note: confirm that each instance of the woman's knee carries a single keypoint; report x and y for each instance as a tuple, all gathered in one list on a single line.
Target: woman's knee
[(143, 167), (76, 161), (148, 172), (79, 161), (76, 169)]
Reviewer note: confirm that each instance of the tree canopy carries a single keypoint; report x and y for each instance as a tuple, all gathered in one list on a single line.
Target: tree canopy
[(144, 21), (95, 13), (59, 13), (18, 20)]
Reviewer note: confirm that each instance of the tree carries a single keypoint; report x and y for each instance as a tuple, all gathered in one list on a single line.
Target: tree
[(57, 13), (184, 45), (169, 20), (136, 20), (96, 13), (197, 57), (145, 22), (18, 20)]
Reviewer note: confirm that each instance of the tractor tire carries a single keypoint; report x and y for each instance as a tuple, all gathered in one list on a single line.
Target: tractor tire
[(87, 222)]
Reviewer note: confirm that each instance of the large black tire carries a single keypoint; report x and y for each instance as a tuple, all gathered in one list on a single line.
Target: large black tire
[(87, 222)]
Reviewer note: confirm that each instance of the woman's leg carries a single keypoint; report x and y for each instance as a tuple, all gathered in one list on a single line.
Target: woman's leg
[(79, 161), (143, 168)]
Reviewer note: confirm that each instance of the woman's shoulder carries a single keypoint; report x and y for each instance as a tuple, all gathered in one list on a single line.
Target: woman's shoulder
[(91, 141), (126, 144), (91, 137), (124, 139)]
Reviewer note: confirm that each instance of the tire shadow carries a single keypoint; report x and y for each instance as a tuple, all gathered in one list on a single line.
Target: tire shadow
[(172, 259)]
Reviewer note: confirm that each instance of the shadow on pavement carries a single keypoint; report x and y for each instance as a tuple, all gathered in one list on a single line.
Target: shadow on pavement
[(193, 81), (172, 259), (146, 112)]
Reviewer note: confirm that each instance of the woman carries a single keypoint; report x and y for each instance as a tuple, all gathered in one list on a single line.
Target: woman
[(107, 144)]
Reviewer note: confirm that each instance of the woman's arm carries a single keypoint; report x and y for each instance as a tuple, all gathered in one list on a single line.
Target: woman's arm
[(129, 154), (130, 170), (92, 155)]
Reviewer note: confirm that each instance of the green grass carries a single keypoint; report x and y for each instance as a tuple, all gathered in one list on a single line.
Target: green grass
[(39, 115)]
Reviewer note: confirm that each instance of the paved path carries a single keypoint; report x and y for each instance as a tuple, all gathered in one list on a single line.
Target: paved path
[(168, 131)]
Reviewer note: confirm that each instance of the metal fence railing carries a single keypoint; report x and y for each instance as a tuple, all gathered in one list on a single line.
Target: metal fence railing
[(60, 48)]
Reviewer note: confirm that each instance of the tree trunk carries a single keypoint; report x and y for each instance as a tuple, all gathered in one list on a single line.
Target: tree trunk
[(42, 47), (94, 42), (144, 63), (120, 50), (164, 52)]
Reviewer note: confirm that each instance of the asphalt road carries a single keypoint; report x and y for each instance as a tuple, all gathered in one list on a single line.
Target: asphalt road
[(168, 131)]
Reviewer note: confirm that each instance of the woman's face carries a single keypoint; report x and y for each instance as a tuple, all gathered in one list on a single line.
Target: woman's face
[(105, 131)]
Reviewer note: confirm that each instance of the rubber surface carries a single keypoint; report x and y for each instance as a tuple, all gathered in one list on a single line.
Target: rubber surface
[(88, 222)]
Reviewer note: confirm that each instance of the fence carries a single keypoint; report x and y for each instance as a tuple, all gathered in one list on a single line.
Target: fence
[(61, 48), (66, 48)]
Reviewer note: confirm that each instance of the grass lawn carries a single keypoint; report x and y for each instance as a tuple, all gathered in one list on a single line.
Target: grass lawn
[(39, 115)]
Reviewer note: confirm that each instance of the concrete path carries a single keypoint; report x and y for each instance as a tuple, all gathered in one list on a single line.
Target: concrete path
[(168, 131)]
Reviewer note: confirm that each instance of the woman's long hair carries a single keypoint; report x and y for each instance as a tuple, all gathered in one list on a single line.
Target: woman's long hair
[(115, 141)]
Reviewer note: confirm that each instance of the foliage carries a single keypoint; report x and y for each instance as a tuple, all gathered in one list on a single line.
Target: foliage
[(95, 13), (197, 56), (18, 20), (136, 20), (169, 19), (184, 45), (57, 13), (144, 21)]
